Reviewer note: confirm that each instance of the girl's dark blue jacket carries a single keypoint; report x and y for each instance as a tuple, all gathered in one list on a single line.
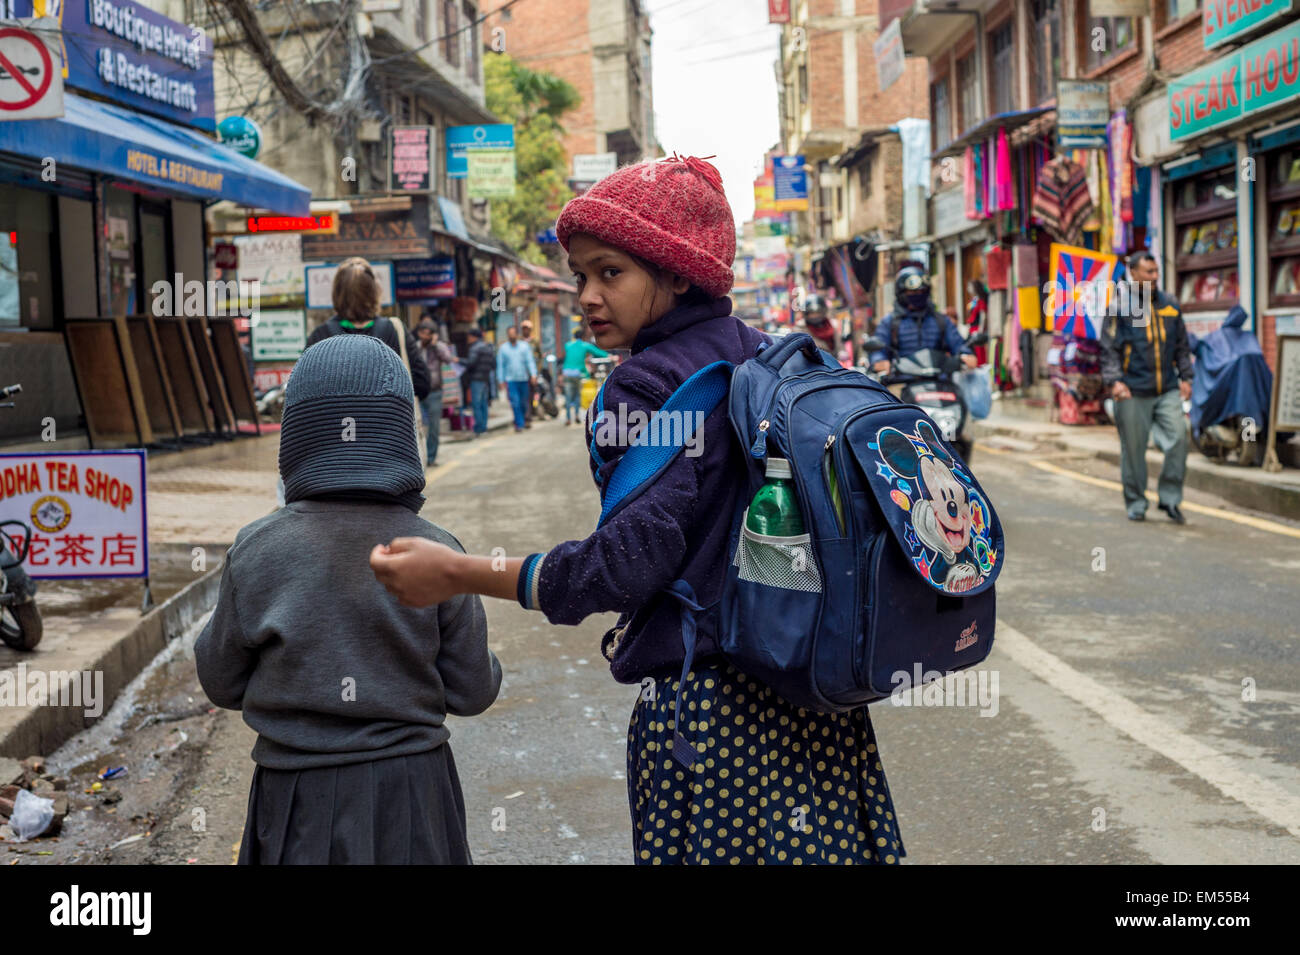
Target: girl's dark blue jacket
[(678, 528)]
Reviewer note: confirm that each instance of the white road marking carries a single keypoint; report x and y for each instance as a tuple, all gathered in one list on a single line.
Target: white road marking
[(1260, 795)]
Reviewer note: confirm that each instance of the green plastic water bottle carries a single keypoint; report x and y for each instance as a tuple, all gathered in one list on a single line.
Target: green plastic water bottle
[(774, 512)]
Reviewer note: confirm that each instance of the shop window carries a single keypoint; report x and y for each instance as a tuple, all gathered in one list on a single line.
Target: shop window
[(471, 41), (154, 265), (968, 90), (1046, 46), (864, 177), (941, 110), (450, 32), (422, 20), (1283, 170), (26, 274), (1205, 228), (1003, 75), (1107, 37), (120, 231), (1177, 9)]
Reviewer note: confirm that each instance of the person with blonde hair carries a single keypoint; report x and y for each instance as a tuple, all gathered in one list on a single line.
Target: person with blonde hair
[(356, 295)]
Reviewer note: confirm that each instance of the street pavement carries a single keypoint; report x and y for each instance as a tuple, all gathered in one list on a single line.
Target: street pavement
[(1119, 732)]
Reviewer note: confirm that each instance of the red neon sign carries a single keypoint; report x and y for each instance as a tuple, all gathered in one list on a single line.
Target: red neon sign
[(326, 222)]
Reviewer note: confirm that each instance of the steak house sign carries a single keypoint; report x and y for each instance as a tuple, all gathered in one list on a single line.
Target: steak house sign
[(1259, 75), (380, 234)]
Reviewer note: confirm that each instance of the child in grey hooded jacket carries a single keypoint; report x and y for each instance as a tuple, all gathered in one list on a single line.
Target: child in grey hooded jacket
[(347, 689)]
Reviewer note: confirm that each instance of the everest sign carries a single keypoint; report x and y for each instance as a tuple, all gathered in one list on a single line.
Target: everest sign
[(1261, 74), (1224, 20), (85, 508)]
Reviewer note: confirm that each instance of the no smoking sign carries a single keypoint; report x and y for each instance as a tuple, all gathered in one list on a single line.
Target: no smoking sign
[(31, 71)]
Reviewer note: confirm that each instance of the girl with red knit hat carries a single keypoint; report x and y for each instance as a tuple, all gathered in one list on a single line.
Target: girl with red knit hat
[(651, 247)]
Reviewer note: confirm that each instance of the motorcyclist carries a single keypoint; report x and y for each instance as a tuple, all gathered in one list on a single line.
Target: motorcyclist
[(915, 323)]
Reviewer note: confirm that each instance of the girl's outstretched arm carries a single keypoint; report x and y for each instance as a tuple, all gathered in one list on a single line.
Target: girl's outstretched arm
[(421, 572)]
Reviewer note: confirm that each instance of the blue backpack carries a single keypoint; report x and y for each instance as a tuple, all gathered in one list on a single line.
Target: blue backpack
[(895, 573)]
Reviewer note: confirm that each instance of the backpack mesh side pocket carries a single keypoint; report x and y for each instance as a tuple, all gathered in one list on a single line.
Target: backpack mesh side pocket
[(786, 562)]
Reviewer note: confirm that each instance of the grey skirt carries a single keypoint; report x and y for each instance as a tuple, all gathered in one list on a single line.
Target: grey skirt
[(405, 810)]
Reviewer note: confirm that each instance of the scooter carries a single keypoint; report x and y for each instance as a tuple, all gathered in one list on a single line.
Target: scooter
[(927, 380), (20, 619)]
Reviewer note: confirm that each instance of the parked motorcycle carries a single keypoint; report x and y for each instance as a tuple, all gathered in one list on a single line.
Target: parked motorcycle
[(545, 390), (927, 380), (20, 619), (1231, 387)]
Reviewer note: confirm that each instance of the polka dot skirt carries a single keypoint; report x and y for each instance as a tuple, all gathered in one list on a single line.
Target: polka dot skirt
[(772, 783)]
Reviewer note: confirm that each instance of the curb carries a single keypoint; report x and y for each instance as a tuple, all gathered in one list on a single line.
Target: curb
[(1276, 499), (44, 728)]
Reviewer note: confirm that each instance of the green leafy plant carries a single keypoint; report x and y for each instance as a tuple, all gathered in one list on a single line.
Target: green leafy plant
[(534, 102)]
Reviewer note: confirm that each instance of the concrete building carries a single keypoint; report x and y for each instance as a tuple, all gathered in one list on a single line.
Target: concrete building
[(602, 47), (834, 112)]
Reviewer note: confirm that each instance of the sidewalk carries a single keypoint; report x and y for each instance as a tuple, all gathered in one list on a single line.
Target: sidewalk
[(198, 499), (1275, 493)]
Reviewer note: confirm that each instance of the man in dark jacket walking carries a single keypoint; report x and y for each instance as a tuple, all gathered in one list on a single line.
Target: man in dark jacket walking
[(480, 363), (1146, 365)]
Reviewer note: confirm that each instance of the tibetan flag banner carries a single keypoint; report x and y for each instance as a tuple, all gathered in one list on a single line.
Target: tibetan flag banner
[(1081, 290)]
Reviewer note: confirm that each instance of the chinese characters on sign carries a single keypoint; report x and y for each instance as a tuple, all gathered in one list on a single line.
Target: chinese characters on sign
[(86, 510)]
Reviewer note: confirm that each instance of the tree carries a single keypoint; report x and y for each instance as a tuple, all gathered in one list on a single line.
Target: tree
[(533, 102)]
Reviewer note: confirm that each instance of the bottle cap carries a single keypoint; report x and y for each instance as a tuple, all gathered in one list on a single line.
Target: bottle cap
[(778, 468)]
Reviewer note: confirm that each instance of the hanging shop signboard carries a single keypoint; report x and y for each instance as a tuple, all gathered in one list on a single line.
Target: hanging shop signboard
[(789, 183), (410, 159), (462, 139), (274, 262), (1262, 74), (491, 173), (593, 167), (279, 335), (382, 232), (1224, 20), (888, 48), (125, 52), (86, 510), (319, 280), (1082, 112), (421, 281)]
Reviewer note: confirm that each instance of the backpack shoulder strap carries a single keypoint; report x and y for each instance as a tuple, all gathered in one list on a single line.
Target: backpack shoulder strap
[(651, 453)]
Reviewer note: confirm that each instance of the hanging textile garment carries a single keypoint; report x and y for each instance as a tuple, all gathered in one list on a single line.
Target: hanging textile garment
[(1005, 188), (990, 191), (1105, 224), (1122, 175), (1011, 344), (968, 182), (981, 194), (1061, 200)]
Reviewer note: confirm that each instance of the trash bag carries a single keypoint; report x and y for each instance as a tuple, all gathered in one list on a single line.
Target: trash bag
[(32, 815), (975, 386)]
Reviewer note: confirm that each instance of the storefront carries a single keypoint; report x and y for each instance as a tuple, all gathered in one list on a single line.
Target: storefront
[(1224, 141), (99, 206)]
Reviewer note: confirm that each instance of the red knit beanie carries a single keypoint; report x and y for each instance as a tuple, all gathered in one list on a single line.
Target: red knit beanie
[(672, 212)]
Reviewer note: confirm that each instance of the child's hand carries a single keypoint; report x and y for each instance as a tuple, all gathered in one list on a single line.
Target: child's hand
[(417, 571)]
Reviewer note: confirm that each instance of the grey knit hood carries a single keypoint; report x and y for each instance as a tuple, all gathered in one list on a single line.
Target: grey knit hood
[(348, 429)]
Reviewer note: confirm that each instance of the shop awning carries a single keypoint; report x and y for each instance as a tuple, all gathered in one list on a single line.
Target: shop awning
[(989, 127), (118, 142)]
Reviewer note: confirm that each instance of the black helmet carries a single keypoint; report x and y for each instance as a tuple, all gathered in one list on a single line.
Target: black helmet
[(912, 287)]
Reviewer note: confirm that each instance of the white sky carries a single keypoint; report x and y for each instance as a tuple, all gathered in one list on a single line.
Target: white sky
[(715, 88)]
